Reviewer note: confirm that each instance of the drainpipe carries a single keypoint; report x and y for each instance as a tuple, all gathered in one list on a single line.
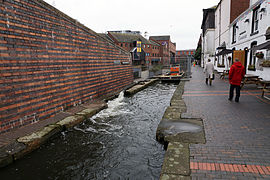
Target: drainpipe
[(219, 24)]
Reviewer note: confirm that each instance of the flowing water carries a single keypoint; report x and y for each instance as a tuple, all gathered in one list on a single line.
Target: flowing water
[(117, 143)]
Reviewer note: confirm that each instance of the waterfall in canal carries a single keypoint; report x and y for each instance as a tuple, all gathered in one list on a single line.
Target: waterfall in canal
[(115, 107)]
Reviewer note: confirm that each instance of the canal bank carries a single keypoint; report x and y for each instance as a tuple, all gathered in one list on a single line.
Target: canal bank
[(176, 131), (19, 142)]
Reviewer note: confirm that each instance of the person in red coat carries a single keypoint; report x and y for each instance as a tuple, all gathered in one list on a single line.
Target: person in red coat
[(236, 74)]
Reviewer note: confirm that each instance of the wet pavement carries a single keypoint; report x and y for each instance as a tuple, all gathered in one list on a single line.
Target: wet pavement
[(237, 134)]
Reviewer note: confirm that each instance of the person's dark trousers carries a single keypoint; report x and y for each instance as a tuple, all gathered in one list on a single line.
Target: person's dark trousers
[(237, 92)]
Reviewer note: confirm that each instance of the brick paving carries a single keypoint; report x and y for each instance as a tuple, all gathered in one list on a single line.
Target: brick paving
[(237, 134)]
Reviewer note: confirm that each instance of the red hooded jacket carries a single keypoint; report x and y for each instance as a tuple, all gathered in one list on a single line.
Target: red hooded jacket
[(236, 73)]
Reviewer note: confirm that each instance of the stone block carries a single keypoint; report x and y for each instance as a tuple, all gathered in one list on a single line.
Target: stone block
[(172, 113), (174, 177), (180, 130), (34, 140), (176, 159), (71, 121), (87, 113), (5, 158)]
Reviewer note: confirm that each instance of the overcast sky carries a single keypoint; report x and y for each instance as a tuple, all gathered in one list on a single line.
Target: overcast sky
[(181, 19)]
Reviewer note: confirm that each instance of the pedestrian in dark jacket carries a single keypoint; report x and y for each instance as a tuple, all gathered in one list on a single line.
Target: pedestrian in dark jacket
[(236, 74)]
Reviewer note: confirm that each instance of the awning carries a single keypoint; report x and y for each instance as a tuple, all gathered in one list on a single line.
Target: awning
[(222, 46), (265, 45), (224, 51)]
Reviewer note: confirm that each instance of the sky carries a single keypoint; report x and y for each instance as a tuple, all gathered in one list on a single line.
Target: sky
[(181, 19)]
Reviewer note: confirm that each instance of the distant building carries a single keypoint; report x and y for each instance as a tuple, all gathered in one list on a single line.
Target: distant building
[(168, 49), (143, 52), (208, 34), (183, 56)]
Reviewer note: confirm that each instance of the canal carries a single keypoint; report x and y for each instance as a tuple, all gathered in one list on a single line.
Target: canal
[(117, 143)]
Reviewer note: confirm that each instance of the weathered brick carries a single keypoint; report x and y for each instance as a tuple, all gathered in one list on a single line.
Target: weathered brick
[(51, 61)]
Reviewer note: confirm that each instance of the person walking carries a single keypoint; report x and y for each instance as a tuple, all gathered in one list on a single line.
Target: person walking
[(209, 72), (236, 74)]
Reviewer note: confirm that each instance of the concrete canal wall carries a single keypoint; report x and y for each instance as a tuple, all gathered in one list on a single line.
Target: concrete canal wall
[(50, 62)]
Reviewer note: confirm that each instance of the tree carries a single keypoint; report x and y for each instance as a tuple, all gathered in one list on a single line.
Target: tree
[(198, 53)]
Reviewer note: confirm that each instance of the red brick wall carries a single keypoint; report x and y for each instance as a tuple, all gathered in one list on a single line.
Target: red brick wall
[(237, 7), (50, 62)]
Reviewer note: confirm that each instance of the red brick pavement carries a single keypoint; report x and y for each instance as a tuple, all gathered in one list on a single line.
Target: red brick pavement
[(257, 169)]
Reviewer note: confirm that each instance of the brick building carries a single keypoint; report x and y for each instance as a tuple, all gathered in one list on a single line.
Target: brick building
[(168, 49), (128, 41), (132, 41), (50, 62), (183, 56)]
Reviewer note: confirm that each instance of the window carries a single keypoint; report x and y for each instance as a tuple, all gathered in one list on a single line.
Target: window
[(267, 54), (255, 20), (252, 58), (121, 45), (234, 34), (148, 46)]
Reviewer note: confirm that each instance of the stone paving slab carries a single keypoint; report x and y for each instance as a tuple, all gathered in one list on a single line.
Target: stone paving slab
[(190, 131), (176, 161)]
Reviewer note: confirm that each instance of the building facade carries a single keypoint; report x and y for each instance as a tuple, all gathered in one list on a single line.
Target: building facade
[(208, 33), (225, 13), (249, 34), (167, 49), (144, 52)]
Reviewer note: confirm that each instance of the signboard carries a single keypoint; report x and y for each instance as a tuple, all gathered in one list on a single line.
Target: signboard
[(139, 46)]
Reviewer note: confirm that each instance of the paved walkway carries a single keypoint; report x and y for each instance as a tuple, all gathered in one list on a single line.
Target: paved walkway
[(237, 134)]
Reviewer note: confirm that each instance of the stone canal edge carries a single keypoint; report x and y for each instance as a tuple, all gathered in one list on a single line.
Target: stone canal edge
[(176, 131), (21, 146)]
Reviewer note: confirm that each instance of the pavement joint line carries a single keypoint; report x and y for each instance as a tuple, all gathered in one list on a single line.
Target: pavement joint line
[(201, 95), (260, 98), (190, 92), (225, 167)]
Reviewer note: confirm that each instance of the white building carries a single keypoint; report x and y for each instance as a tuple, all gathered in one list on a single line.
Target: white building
[(208, 34), (226, 12), (222, 22), (247, 36)]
